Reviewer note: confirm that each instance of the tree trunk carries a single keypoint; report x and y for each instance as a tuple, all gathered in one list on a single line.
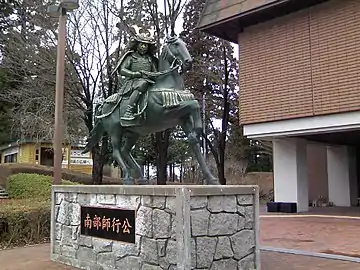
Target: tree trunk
[(162, 143), (98, 166), (181, 172), (148, 171), (170, 172)]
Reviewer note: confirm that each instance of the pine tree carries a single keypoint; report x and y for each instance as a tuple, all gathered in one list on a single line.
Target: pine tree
[(215, 73)]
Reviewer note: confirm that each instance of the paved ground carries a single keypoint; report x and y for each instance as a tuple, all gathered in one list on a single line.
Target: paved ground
[(37, 258), (337, 236), (326, 235)]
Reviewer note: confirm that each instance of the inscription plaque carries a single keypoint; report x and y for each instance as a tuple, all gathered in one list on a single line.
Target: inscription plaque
[(108, 223)]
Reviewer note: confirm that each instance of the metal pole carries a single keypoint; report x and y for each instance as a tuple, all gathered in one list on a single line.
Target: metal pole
[(59, 99), (204, 123)]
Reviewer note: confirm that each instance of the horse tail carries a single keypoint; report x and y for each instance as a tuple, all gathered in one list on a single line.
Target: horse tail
[(96, 133)]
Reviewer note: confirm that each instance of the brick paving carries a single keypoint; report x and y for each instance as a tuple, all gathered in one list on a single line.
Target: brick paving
[(326, 235), (37, 258), (281, 261)]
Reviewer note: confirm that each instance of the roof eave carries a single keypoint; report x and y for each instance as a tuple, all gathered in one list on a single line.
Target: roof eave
[(229, 28)]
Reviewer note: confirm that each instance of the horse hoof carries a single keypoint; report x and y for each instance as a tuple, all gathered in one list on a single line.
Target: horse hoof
[(128, 181), (143, 181), (213, 181)]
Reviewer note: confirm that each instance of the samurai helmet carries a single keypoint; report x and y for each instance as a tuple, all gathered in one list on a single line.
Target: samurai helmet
[(143, 35)]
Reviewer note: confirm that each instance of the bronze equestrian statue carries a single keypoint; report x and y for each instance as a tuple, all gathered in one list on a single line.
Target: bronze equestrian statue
[(152, 99)]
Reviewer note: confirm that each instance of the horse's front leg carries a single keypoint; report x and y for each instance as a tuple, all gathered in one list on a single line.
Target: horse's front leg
[(136, 171), (195, 146)]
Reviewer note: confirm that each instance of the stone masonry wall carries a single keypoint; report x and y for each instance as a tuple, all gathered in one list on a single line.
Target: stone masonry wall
[(155, 246), (220, 233)]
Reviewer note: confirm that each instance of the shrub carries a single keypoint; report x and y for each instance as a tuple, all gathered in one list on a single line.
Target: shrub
[(27, 186), (24, 222), (9, 169)]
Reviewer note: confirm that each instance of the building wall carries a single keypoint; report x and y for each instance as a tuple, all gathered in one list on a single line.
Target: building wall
[(27, 153), (317, 169), (73, 159), (304, 64)]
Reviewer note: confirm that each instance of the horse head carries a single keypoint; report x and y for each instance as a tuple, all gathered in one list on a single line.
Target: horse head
[(175, 52)]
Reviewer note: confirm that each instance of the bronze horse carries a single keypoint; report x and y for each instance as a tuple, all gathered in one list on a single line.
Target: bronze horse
[(165, 105)]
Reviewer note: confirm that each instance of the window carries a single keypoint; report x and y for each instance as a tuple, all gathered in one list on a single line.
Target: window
[(10, 158)]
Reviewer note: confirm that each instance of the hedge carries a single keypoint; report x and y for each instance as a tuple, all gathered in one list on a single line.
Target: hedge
[(25, 218), (24, 222), (8, 169), (26, 186)]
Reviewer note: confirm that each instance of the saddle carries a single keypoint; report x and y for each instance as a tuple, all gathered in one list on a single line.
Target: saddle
[(170, 98)]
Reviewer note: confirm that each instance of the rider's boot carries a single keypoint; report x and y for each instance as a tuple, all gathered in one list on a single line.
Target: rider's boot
[(129, 113)]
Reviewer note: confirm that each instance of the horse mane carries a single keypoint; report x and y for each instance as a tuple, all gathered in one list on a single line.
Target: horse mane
[(165, 50)]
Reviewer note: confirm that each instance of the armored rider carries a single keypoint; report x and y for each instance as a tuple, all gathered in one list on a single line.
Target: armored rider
[(140, 57)]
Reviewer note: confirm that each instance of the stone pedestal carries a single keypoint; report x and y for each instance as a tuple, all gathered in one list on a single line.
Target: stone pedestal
[(176, 227)]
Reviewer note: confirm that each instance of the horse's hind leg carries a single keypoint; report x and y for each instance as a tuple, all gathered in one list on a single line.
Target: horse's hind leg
[(116, 144), (130, 141), (195, 146)]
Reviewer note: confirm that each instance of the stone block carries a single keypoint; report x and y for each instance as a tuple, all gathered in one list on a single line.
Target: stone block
[(106, 259), (249, 215), (245, 199), (173, 227), (243, 243), (59, 197), (217, 204), (121, 250), (63, 216), (68, 251), (148, 251), (205, 250), (66, 235), (154, 201), (74, 209), (171, 252), (129, 262), (161, 224), (86, 254), (128, 202), (71, 197), (193, 253), (150, 267), (58, 231), (223, 248), (225, 264), (199, 220), (102, 245), (75, 232), (85, 241), (223, 224), (161, 246), (170, 205), (198, 202), (144, 226), (106, 199), (247, 263)]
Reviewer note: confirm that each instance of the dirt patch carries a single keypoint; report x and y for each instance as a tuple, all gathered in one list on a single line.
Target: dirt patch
[(264, 180)]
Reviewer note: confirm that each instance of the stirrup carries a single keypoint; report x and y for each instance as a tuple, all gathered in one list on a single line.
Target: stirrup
[(129, 115)]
